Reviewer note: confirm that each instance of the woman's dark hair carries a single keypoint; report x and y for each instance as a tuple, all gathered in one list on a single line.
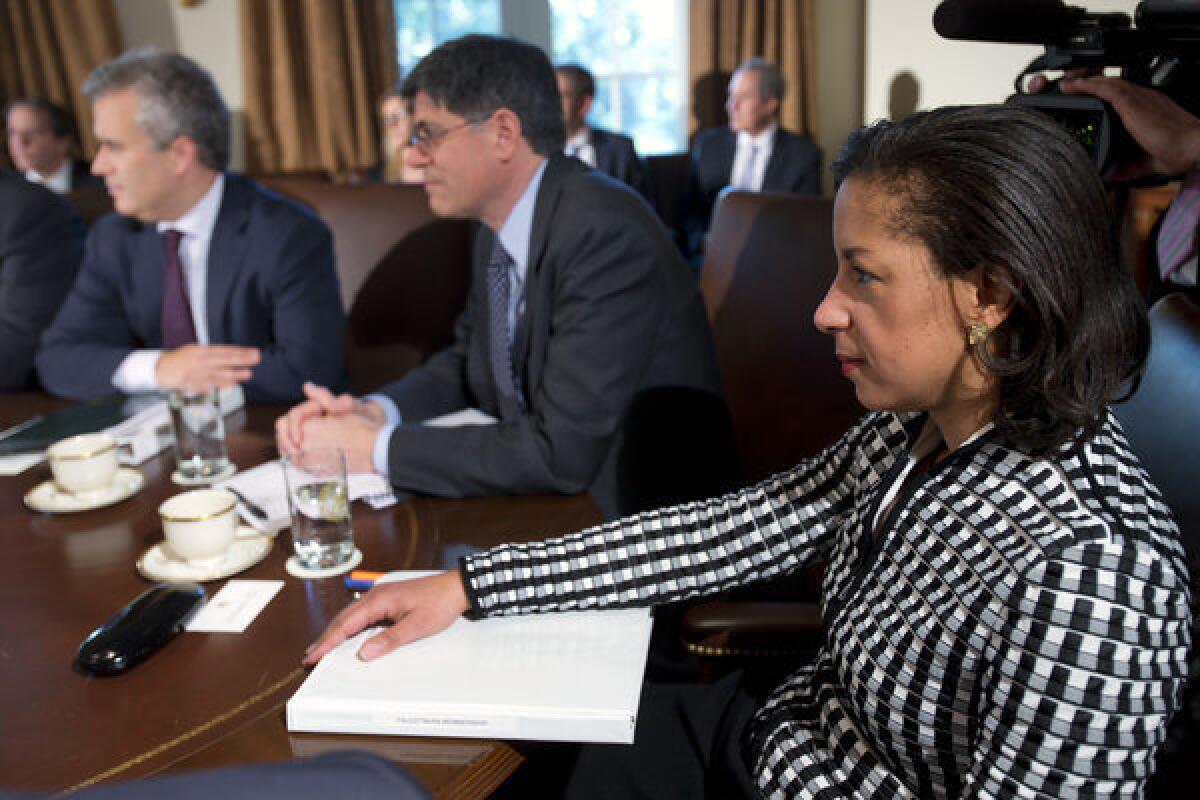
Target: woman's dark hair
[(475, 75), (1006, 189)]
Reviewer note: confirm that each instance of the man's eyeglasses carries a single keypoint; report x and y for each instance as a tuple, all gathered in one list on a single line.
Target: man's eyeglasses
[(425, 138)]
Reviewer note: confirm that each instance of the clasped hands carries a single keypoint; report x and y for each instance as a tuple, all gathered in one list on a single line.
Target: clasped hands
[(329, 420)]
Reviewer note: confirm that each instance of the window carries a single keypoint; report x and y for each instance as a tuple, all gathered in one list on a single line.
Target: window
[(422, 25), (636, 49)]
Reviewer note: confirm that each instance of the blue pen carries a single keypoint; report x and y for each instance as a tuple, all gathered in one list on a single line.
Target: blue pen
[(358, 585)]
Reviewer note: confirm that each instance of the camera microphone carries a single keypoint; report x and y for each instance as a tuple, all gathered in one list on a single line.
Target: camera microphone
[(1009, 21)]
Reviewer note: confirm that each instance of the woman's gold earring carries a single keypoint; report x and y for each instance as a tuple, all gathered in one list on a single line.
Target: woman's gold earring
[(976, 333)]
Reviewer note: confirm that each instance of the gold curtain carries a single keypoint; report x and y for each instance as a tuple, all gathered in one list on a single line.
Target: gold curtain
[(724, 33), (47, 48), (314, 71)]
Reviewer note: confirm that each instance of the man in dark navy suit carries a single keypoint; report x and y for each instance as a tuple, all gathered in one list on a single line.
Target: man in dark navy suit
[(39, 142), (754, 153), (41, 241), (202, 278), (611, 153)]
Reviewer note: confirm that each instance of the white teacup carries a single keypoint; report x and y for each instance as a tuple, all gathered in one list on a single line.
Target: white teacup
[(200, 524), (85, 463)]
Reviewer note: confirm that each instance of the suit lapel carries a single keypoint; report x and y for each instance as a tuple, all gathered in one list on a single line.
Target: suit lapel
[(775, 164), (726, 146), (225, 253), (149, 261), (539, 235)]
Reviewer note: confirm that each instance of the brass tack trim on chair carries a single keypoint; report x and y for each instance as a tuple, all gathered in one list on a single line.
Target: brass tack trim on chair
[(709, 651)]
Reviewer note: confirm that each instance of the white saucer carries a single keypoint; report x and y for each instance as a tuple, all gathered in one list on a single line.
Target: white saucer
[(47, 497), (250, 547), (178, 479), (293, 567)]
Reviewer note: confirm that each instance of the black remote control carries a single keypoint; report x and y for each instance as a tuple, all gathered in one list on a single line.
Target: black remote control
[(149, 621)]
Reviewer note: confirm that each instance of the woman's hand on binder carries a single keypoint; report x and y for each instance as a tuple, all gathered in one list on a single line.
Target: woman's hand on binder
[(415, 609)]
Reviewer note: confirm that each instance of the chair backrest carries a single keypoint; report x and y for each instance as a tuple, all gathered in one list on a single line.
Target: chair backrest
[(90, 203), (403, 272), (668, 181), (1162, 419), (768, 262)]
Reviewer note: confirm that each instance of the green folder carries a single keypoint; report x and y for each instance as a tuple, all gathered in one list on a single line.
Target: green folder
[(87, 417)]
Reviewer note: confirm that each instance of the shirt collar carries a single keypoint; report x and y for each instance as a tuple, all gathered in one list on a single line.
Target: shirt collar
[(517, 230), (201, 218), (59, 180), (762, 139), (581, 139)]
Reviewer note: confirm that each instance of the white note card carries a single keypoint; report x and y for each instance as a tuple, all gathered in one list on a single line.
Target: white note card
[(232, 609)]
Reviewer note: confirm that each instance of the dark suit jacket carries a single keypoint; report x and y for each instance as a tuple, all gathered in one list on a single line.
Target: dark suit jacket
[(271, 284), (794, 166), (41, 242), (616, 156), (611, 312), (82, 177)]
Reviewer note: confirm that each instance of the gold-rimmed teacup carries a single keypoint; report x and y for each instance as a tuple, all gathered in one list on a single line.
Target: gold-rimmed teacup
[(84, 463), (199, 525)]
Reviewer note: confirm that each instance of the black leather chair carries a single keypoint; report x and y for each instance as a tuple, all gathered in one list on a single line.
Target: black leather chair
[(403, 272), (767, 266), (1162, 421)]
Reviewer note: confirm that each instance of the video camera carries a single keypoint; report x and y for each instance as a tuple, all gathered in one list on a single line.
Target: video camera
[(1162, 52)]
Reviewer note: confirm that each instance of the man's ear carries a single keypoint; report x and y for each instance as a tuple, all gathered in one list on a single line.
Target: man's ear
[(506, 133), (184, 154), (985, 294), (585, 105)]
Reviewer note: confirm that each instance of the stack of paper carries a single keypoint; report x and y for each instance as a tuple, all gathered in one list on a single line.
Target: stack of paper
[(264, 486), (573, 676)]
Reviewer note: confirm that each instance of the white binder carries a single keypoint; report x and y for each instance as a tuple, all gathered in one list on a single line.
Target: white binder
[(573, 676)]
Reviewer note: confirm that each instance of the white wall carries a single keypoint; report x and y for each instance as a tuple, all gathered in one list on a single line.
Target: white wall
[(839, 75), (900, 37), (209, 32)]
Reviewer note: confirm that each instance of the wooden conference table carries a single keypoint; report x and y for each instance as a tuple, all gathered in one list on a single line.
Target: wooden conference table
[(206, 700)]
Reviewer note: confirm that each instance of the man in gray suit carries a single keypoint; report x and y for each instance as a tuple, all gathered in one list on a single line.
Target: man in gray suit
[(580, 308)]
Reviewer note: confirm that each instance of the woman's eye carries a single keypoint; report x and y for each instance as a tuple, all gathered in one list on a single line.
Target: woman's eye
[(862, 277)]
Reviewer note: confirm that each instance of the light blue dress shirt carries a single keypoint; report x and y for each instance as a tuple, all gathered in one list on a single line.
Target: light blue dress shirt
[(514, 235)]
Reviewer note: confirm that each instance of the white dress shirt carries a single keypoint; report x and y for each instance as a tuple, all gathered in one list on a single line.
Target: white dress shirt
[(59, 182), (137, 372), (580, 146), (745, 143), (1184, 274)]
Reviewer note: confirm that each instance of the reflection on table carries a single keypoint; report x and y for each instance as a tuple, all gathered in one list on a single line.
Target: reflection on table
[(206, 699)]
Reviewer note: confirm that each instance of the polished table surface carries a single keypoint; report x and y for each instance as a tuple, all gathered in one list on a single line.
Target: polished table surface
[(206, 699)]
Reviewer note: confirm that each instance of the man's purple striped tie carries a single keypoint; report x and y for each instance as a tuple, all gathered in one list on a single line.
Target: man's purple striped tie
[(178, 328), (1177, 236)]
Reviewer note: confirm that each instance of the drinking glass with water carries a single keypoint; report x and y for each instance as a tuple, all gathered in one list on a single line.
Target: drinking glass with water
[(319, 500), (199, 430)]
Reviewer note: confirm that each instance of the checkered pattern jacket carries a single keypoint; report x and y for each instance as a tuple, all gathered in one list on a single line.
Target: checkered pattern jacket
[(1019, 628)]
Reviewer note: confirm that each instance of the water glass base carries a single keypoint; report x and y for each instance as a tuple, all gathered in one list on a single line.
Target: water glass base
[(296, 570), (179, 479)]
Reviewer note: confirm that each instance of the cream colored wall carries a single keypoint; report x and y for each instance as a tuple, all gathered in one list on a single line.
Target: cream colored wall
[(900, 38), (839, 74), (208, 32)]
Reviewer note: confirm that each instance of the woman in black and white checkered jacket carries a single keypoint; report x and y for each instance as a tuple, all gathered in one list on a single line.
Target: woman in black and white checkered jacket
[(1006, 598)]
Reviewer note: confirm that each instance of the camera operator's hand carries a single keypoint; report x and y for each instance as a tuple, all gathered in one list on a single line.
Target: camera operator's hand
[(1168, 135)]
